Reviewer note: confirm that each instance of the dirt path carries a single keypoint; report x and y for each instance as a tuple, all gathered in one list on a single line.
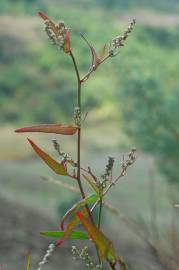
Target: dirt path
[(20, 227)]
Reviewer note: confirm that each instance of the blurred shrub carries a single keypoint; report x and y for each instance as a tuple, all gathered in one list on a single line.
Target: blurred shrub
[(144, 84), (149, 91), (164, 5)]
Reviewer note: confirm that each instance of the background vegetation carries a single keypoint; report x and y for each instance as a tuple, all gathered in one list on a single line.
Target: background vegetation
[(133, 99)]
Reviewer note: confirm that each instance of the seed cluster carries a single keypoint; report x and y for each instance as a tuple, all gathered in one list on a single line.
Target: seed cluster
[(56, 33), (129, 161), (84, 255), (65, 156), (119, 40), (77, 116), (48, 253), (108, 168)]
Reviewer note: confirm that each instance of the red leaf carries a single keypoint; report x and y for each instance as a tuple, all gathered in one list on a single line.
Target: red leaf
[(52, 25), (88, 200), (53, 164), (73, 223), (43, 16), (58, 129), (103, 244), (96, 59)]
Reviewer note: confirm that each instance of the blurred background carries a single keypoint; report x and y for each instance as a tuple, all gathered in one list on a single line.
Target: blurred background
[(132, 100)]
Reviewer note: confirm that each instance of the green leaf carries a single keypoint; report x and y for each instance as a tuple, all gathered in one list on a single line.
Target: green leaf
[(103, 244), (28, 262), (70, 226), (72, 235), (88, 200), (92, 184)]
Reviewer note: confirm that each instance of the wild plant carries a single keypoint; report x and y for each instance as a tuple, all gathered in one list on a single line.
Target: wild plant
[(81, 213)]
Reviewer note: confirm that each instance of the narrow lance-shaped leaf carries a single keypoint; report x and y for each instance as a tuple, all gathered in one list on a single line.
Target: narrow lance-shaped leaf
[(28, 262), (73, 235), (71, 225), (103, 244), (57, 33), (92, 184), (58, 168), (90, 199), (43, 16), (46, 128), (95, 59), (50, 23), (103, 52)]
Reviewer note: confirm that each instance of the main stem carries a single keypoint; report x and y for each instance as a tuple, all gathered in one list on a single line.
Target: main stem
[(79, 128), (79, 144), (100, 213)]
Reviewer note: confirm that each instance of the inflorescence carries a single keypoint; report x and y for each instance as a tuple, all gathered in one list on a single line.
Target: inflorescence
[(84, 256)]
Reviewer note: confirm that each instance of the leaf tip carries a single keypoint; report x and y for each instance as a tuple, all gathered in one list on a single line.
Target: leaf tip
[(30, 141), (42, 15), (62, 226), (59, 242), (39, 13)]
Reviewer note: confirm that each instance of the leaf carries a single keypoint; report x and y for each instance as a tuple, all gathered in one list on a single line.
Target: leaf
[(50, 23), (43, 16), (67, 42), (28, 262), (58, 129), (71, 225), (95, 59), (72, 235), (103, 244), (58, 168), (103, 52), (92, 184), (90, 199)]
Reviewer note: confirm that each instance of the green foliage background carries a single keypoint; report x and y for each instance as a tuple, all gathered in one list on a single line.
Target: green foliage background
[(37, 84)]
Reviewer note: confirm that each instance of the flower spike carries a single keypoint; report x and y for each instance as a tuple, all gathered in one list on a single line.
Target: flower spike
[(59, 34)]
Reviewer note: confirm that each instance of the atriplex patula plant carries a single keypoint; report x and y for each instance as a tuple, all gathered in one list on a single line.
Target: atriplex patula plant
[(81, 213)]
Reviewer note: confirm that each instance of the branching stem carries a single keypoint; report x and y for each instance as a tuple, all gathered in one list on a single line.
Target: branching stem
[(79, 144)]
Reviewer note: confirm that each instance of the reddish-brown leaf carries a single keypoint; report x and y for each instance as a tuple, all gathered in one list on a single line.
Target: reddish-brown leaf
[(103, 244), (96, 60), (88, 200), (43, 16), (58, 129), (54, 28), (58, 168), (71, 225)]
